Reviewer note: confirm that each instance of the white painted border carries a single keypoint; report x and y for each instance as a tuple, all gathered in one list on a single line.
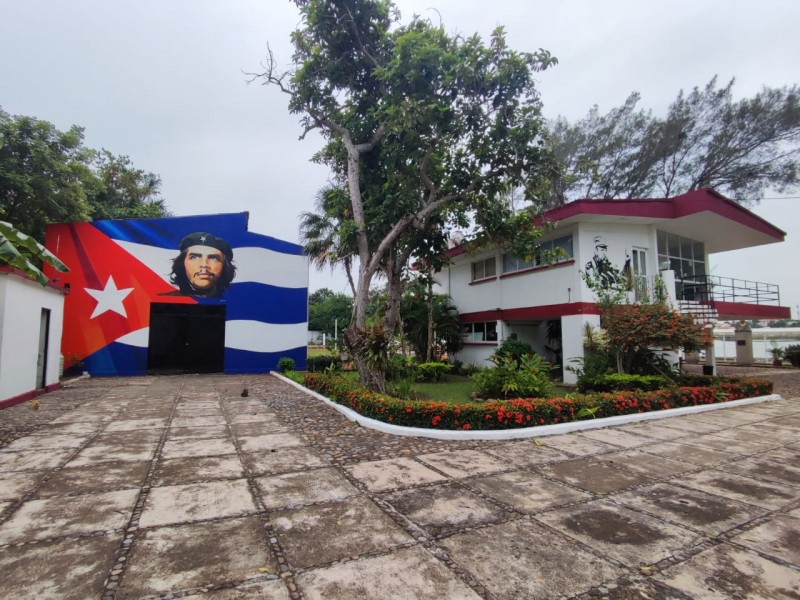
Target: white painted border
[(523, 432)]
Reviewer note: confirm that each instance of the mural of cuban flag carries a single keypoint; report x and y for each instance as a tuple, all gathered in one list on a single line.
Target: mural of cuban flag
[(118, 268)]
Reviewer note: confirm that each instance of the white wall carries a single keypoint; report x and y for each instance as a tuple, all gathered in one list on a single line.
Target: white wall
[(21, 304)]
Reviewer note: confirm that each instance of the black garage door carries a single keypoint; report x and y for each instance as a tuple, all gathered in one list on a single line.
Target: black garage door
[(186, 338)]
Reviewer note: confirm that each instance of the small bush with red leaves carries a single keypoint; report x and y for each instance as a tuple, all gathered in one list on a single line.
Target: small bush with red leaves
[(523, 412)]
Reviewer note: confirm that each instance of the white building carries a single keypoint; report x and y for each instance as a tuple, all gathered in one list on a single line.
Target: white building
[(498, 295), (31, 317)]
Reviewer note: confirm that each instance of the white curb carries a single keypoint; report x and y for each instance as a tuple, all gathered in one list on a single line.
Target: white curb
[(523, 432)]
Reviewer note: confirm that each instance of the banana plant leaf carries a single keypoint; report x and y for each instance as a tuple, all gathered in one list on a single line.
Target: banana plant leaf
[(18, 250)]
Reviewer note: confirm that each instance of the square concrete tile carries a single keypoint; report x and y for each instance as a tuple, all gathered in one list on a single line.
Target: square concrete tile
[(65, 570), (695, 455), (259, 428), (263, 590), (194, 411), (779, 538), (127, 438), (576, 445), (701, 423), (442, 509), (464, 463), (382, 475), (196, 502), (726, 572), (54, 517), (408, 574), (197, 433), (197, 421), (253, 417), (96, 453), (189, 556), (288, 460), (615, 437), (45, 442), (759, 432), (775, 466), (647, 464), (275, 441), (309, 487), (625, 535), (15, 485), (178, 471), (726, 444), (78, 429), (187, 448), (592, 475), (104, 477), (522, 559), (526, 453), (352, 528), (527, 492), (744, 489), (657, 429), (136, 424), (32, 460), (708, 513)]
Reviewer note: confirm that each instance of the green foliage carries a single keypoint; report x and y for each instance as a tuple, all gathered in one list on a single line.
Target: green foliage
[(528, 378), (792, 354), (513, 348), (706, 140), (432, 371), (612, 382), (285, 364), (323, 363), (24, 253), (423, 130), (524, 412), (424, 312), (326, 308), (49, 176)]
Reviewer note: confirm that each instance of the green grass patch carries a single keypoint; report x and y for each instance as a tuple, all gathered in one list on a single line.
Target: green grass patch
[(318, 352), (455, 389)]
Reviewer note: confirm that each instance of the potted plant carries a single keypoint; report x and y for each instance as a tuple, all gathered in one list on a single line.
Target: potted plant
[(778, 355)]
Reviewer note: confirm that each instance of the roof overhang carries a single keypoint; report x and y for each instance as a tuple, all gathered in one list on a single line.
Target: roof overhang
[(703, 215)]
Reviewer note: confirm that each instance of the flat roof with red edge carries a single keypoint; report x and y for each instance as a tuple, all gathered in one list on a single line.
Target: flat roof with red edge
[(703, 215)]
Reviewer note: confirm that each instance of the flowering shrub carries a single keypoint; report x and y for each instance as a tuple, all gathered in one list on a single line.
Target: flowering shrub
[(523, 412)]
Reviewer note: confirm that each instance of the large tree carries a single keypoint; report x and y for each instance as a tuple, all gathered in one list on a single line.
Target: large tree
[(707, 139), (328, 311), (423, 129), (50, 176)]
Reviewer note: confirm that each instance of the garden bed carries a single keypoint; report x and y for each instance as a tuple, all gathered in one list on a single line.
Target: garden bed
[(528, 412)]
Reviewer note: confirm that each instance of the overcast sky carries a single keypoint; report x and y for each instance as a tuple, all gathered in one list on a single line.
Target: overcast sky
[(163, 82)]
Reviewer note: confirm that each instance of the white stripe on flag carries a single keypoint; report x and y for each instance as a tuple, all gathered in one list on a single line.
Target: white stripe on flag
[(257, 265)]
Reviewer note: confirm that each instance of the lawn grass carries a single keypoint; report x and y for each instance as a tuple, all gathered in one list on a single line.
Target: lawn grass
[(317, 352)]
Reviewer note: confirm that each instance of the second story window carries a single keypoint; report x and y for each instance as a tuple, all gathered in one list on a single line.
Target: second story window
[(483, 269), (547, 253)]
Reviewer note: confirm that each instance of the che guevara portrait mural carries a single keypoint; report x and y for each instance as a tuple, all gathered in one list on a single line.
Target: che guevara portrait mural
[(180, 294)]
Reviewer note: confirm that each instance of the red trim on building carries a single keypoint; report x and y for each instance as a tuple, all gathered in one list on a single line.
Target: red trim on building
[(483, 280), (698, 201), (549, 311), (742, 310), (20, 398)]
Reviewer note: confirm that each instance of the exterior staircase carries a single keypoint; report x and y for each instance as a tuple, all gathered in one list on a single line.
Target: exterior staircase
[(701, 312)]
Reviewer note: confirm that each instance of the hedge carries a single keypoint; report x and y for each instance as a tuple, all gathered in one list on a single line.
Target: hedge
[(523, 412)]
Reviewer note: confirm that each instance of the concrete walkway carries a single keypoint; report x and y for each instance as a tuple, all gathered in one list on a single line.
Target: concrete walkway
[(181, 487)]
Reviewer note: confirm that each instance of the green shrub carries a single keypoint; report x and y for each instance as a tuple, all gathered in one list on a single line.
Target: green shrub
[(400, 367), (285, 364), (508, 379), (611, 382), (431, 371), (792, 354), (514, 348), (323, 362)]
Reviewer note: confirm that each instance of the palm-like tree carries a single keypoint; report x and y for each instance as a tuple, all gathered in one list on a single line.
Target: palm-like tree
[(327, 234), (22, 252)]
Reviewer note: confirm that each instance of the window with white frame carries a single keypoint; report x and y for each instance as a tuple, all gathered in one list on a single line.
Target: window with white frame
[(480, 332), (547, 253), (484, 268)]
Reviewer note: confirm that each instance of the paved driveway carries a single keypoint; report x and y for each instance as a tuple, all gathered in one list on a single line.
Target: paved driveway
[(181, 487)]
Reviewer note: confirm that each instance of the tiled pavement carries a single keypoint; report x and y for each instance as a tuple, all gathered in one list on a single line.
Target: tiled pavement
[(181, 487)]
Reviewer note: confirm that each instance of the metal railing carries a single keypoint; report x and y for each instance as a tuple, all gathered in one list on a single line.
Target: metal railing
[(713, 288)]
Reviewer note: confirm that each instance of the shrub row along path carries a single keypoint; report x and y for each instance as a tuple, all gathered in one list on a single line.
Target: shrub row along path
[(182, 487)]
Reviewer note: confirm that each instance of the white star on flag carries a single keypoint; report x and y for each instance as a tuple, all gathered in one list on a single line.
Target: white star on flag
[(109, 298)]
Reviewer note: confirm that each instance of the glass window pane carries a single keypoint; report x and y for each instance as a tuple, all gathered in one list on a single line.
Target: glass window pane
[(662, 242), (699, 268), (686, 249), (491, 331), (490, 267), (699, 251), (673, 245)]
